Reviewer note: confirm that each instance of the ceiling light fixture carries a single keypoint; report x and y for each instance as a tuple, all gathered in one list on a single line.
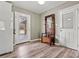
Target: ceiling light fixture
[(41, 2)]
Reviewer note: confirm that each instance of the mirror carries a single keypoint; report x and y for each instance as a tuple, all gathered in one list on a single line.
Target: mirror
[(50, 24)]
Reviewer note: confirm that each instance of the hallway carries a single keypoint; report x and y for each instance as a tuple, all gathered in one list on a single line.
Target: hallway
[(22, 23)]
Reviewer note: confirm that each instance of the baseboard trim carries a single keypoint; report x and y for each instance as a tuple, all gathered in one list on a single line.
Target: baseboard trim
[(34, 40), (57, 43), (29, 41), (6, 53)]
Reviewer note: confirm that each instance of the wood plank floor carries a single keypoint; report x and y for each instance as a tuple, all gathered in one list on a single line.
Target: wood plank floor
[(41, 50)]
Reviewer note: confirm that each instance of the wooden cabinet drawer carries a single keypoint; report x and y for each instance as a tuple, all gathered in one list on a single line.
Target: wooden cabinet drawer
[(46, 39)]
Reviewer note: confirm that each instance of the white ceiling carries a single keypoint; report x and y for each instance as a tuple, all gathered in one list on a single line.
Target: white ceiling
[(35, 7)]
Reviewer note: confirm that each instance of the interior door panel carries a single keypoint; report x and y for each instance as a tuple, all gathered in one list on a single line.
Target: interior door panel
[(69, 28)]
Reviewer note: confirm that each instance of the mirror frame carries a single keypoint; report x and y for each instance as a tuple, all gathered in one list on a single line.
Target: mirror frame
[(53, 19)]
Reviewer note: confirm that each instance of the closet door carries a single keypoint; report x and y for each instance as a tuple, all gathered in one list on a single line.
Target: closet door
[(68, 31), (6, 28)]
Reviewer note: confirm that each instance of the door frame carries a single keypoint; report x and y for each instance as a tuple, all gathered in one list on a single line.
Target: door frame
[(28, 29)]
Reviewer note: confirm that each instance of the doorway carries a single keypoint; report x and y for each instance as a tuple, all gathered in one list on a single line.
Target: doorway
[(22, 27)]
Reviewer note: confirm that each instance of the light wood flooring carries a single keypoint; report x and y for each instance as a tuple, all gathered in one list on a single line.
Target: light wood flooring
[(41, 50)]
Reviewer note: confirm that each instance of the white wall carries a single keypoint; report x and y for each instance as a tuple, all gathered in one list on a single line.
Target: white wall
[(35, 22), (56, 11)]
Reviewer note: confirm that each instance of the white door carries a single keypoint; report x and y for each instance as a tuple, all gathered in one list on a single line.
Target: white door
[(6, 28), (19, 18), (68, 30)]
